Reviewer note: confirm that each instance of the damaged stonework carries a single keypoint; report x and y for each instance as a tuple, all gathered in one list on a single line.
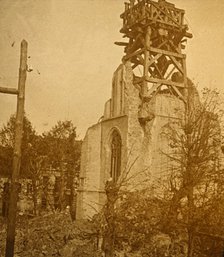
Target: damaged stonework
[(126, 140), (144, 114)]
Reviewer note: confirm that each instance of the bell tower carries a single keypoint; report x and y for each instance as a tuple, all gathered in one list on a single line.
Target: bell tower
[(155, 33)]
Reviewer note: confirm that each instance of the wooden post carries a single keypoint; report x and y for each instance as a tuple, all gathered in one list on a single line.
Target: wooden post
[(146, 61), (11, 222)]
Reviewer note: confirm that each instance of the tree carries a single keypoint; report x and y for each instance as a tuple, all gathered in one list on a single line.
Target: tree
[(190, 193), (32, 154), (37, 165), (131, 221), (122, 214), (195, 145), (63, 152), (7, 143), (57, 148)]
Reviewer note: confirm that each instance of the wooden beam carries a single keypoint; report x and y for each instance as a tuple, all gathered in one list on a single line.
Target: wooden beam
[(170, 6), (140, 58), (154, 59), (153, 88), (156, 86), (177, 64), (11, 91), (138, 80), (164, 82), (162, 44), (168, 53), (13, 196), (170, 73), (128, 56), (141, 4), (186, 93), (121, 43), (178, 93), (166, 14), (157, 68), (147, 63), (175, 48)]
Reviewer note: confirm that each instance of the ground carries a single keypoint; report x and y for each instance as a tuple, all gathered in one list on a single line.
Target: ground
[(52, 235)]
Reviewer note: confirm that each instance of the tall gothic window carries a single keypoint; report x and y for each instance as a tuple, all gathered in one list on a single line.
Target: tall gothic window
[(115, 155)]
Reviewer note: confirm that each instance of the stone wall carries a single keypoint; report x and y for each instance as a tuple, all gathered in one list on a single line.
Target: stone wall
[(142, 141), (108, 126), (145, 143), (89, 190)]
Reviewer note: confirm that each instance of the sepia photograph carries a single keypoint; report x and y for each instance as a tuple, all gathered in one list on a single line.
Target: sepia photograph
[(111, 128)]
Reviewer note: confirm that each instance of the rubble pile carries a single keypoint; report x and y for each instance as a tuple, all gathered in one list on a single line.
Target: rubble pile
[(52, 235), (55, 234)]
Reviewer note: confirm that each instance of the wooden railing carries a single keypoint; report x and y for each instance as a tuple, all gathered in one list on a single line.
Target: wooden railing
[(149, 11)]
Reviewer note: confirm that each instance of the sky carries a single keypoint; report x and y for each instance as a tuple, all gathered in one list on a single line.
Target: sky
[(73, 56)]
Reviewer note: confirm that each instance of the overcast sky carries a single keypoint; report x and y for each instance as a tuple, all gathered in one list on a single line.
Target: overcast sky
[(73, 55)]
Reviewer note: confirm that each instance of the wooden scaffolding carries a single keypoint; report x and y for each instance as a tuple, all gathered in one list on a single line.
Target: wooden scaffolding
[(156, 35)]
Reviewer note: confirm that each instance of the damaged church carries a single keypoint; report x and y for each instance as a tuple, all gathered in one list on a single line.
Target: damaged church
[(149, 89)]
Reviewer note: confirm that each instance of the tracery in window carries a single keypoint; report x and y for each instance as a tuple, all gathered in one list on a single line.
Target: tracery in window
[(115, 155)]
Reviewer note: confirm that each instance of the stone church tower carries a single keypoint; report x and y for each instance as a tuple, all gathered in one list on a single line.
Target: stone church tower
[(148, 90)]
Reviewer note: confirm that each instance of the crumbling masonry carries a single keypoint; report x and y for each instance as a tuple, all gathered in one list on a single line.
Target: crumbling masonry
[(149, 89)]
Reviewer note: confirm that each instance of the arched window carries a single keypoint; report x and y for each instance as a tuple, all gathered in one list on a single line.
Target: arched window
[(115, 155)]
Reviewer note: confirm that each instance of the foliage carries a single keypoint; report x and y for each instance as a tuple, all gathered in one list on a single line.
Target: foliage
[(194, 180), (138, 218), (7, 143), (188, 210), (60, 143), (63, 154), (135, 226), (57, 148)]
